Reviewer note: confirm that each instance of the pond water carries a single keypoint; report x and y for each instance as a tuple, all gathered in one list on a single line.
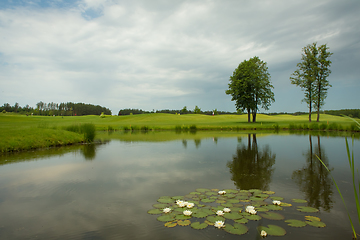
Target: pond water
[(104, 191)]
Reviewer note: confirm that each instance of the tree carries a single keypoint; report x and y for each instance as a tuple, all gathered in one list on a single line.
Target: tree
[(184, 110), (250, 87), (197, 110), (312, 74)]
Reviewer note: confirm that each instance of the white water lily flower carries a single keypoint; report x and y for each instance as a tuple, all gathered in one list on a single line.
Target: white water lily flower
[(190, 205), (250, 208), (220, 213), (187, 213), (182, 203), (252, 212), (276, 202), (221, 192), (167, 210), (263, 233), (227, 210), (219, 224)]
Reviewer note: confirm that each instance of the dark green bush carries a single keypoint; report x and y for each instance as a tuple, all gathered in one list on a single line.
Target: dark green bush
[(314, 126), (88, 129), (323, 126)]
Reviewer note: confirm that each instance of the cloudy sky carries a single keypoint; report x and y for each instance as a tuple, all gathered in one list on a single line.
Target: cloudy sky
[(169, 54)]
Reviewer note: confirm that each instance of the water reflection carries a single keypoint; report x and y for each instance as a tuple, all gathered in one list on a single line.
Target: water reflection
[(314, 180), (251, 167)]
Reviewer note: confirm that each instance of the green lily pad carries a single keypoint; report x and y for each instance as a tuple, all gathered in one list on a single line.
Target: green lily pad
[(170, 224), (272, 215), (195, 193), (277, 198), (262, 195), (165, 200), (295, 200), (253, 217), (307, 209), (155, 211), (166, 218), (160, 205), (220, 201), (295, 223), (262, 209), (200, 214), (178, 198), (230, 191), (312, 218), (228, 205), (182, 217), (207, 210), (269, 192), (198, 225), (316, 224), (238, 229), (242, 220), (213, 219), (230, 195), (165, 197), (232, 216), (208, 200), (211, 193), (273, 230), (283, 204), (233, 201), (184, 222), (273, 207)]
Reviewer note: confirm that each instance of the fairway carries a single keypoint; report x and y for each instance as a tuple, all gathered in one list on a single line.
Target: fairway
[(20, 132)]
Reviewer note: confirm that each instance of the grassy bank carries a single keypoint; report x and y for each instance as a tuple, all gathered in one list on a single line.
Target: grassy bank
[(20, 132)]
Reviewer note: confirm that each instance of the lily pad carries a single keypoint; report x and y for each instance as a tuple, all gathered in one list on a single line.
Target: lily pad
[(200, 214), (233, 201), (277, 198), (209, 223), (316, 224), (207, 200), (295, 200), (312, 218), (198, 225), (230, 191), (273, 230), (242, 220), (184, 222), (285, 204), (269, 192), (232, 216), (165, 200), (166, 218), (262, 209), (220, 201), (238, 229), (253, 217), (160, 205), (228, 205), (155, 211), (295, 223), (272, 215), (170, 224), (273, 207), (195, 193), (213, 219), (182, 217), (307, 209), (178, 198), (230, 195)]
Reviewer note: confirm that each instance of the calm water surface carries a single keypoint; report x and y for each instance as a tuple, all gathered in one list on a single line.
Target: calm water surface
[(104, 191)]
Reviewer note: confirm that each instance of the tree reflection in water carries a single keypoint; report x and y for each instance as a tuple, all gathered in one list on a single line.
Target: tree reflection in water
[(314, 180), (252, 168)]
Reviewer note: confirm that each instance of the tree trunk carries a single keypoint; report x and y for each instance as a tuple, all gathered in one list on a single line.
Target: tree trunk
[(318, 115), (254, 116), (248, 110)]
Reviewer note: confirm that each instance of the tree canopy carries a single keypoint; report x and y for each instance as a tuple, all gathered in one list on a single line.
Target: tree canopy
[(311, 75), (250, 87)]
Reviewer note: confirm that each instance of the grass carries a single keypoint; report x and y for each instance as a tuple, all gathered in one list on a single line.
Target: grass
[(356, 185), (21, 132)]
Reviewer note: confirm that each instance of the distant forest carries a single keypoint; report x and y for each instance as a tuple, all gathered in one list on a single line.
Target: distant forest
[(62, 109), (129, 111)]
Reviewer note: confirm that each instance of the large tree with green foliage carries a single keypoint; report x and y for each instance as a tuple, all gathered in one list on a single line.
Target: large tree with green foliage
[(250, 87), (312, 74)]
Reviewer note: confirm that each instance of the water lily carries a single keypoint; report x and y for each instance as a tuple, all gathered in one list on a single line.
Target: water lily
[(221, 192), (277, 202), (167, 210), (181, 203), (263, 233), (219, 224), (227, 210), (190, 205), (220, 213), (250, 208), (253, 212), (187, 213)]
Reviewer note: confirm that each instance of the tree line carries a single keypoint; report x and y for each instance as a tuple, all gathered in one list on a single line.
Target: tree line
[(184, 110), (62, 109), (250, 86)]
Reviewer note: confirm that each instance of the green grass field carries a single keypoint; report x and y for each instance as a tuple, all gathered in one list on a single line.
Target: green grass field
[(20, 132)]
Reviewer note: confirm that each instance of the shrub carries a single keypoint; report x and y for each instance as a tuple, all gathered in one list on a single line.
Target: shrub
[(144, 128), (88, 130), (193, 128), (110, 128), (292, 126), (178, 129), (276, 127), (126, 128), (333, 126), (314, 126), (323, 126)]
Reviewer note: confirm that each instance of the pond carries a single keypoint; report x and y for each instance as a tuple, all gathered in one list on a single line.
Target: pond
[(105, 191)]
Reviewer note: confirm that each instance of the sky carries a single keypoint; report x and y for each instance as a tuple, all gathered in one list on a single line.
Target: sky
[(159, 54)]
